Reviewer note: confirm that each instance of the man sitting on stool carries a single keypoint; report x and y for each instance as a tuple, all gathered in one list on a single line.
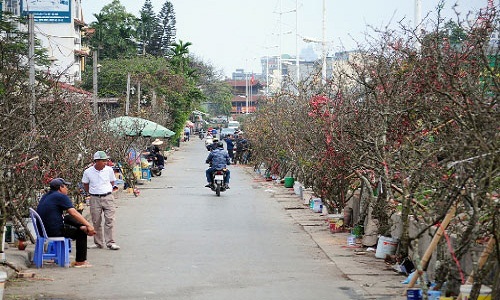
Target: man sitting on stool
[(73, 226)]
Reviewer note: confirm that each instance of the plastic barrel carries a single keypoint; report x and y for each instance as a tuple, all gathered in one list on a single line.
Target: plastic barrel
[(385, 246), (434, 295), (289, 182), (414, 294)]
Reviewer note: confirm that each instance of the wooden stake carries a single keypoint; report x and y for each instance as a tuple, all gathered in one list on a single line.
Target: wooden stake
[(435, 240), (483, 258)]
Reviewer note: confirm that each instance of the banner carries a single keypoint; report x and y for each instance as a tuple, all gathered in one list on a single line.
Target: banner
[(48, 11)]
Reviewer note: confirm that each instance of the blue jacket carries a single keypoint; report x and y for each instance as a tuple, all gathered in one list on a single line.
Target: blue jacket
[(219, 158), (229, 143)]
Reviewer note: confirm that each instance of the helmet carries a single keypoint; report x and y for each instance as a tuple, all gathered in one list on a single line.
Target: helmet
[(220, 144)]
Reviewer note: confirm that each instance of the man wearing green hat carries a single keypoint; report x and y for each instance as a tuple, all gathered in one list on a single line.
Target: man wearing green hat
[(99, 181)]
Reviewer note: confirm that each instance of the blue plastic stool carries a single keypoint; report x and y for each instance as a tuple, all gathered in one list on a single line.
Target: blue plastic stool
[(51, 247)]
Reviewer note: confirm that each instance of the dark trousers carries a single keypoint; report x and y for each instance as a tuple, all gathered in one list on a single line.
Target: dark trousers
[(72, 230), (160, 161), (211, 170)]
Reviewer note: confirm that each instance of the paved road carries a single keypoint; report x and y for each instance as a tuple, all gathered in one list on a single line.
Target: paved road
[(180, 241)]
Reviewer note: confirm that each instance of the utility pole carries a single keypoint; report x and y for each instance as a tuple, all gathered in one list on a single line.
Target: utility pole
[(297, 42), (280, 63), (247, 83), (251, 91), (31, 62), (127, 103), (267, 75), (138, 97), (323, 69), (246, 92), (418, 21), (94, 81)]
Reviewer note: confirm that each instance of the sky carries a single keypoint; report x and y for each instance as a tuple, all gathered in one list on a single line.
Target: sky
[(235, 34)]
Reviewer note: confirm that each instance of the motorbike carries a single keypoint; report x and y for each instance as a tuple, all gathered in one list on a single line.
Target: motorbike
[(218, 179), (201, 134), (153, 167)]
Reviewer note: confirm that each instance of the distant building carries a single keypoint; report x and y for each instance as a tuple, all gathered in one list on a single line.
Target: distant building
[(307, 68), (247, 93), (239, 74), (59, 26)]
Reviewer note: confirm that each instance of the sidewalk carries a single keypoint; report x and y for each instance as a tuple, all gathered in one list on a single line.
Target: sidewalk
[(19, 262), (377, 279)]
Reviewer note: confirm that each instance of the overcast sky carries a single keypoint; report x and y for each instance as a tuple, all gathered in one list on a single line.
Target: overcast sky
[(234, 34)]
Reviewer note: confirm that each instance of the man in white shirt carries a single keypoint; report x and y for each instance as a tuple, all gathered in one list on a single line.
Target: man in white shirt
[(187, 132), (99, 182)]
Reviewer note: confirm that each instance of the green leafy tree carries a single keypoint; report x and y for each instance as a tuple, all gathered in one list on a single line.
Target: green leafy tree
[(149, 36), (115, 32), (167, 29), (218, 93)]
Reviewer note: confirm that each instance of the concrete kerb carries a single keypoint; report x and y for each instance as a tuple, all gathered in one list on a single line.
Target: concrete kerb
[(376, 279)]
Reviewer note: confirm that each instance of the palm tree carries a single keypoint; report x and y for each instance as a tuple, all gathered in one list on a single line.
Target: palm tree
[(179, 57)]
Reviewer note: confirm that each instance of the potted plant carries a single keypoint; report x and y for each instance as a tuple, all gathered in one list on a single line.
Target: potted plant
[(21, 238)]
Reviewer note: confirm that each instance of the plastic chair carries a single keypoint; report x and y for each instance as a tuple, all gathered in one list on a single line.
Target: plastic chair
[(59, 246)]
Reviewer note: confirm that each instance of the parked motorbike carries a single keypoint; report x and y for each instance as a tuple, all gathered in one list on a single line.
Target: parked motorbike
[(218, 179)]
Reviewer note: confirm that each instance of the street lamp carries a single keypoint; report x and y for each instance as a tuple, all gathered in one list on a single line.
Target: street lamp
[(246, 93), (240, 97), (95, 69), (323, 58), (323, 44)]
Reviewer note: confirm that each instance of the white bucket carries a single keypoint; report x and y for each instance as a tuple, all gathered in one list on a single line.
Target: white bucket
[(297, 187), (484, 294), (386, 246), (3, 278), (351, 240), (317, 205)]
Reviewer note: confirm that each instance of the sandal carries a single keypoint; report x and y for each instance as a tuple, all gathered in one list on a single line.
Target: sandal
[(81, 264)]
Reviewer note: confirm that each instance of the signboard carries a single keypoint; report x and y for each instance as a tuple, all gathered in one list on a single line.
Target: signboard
[(48, 11)]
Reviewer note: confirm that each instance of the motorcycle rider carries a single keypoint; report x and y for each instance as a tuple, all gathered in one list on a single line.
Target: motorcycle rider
[(218, 159), (209, 141), (154, 152), (213, 146)]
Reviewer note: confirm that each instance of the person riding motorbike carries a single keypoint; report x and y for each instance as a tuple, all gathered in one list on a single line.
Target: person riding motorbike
[(154, 153), (218, 159), (213, 146)]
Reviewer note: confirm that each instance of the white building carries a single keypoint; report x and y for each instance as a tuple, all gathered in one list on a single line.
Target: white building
[(58, 25)]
